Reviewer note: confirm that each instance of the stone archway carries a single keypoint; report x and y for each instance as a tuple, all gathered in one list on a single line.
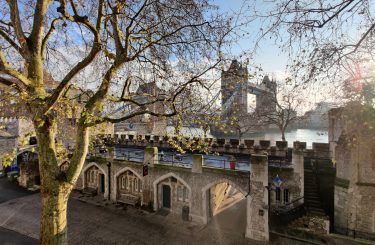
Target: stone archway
[(221, 198), (128, 187), (95, 180), (28, 164), (180, 193)]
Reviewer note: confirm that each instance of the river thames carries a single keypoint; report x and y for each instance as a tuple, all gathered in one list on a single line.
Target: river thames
[(305, 135)]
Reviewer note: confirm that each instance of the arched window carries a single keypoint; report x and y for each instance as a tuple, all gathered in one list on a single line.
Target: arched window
[(185, 194), (135, 184), (286, 195), (140, 186), (180, 193), (278, 194)]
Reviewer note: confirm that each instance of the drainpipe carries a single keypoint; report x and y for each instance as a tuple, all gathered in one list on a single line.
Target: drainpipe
[(109, 180)]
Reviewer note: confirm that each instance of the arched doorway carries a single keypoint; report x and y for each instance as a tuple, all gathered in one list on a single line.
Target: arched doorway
[(171, 193), (94, 181), (28, 164), (225, 206), (129, 187)]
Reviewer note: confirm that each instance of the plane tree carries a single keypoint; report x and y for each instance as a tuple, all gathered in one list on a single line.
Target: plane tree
[(104, 49)]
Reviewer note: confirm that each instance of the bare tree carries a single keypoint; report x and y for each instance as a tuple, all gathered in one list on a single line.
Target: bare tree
[(107, 47), (240, 122), (325, 39), (284, 102)]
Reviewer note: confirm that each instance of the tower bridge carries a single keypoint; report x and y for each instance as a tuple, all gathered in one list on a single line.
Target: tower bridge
[(235, 89)]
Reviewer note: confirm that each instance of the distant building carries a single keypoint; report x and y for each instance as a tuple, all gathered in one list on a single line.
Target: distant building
[(143, 124), (316, 118)]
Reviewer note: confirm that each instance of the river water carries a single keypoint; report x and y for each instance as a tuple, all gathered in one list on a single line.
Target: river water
[(305, 135)]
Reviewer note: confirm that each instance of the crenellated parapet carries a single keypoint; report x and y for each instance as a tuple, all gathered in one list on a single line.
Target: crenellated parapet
[(223, 146), (8, 119)]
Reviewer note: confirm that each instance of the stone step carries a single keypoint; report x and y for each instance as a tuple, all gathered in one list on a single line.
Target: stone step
[(312, 201), (311, 195), (312, 198), (311, 187), (316, 212), (312, 184)]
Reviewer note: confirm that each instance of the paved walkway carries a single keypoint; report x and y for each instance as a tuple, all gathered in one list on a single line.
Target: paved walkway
[(105, 223), (10, 190), (8, 237), (91, 224)]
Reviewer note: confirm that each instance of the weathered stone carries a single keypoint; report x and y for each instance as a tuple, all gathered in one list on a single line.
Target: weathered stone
[(197, 163)]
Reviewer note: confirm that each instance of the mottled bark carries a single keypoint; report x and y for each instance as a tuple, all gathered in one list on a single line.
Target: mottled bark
[(53, 224), (55, 189)]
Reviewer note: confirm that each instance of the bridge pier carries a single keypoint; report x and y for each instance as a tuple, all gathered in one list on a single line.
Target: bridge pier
[(257, 202)]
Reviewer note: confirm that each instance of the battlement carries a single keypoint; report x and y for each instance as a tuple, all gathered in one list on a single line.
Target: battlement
[(230, 146), (8, 119)]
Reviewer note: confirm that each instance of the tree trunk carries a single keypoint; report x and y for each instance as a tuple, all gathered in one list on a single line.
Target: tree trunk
[(54, 189), (53, 224), (283, 134), (56, 185)]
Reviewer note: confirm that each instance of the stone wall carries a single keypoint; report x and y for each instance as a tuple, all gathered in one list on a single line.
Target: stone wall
[(195, 186), (7, 145), (355, 165), (200, 181)]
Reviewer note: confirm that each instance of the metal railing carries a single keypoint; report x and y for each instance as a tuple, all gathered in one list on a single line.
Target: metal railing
[(354, 233), (289, 212), (130, 155), (221, 162), (175, 159), (290, 205)]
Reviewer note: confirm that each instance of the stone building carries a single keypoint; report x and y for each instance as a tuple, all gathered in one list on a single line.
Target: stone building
[(351, 137), (196, 192), (144, 124)]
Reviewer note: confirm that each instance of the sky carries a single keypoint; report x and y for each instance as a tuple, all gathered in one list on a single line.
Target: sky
[(272, 60)]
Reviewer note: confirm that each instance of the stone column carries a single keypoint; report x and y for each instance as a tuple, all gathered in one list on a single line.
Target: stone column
[(197, 163), (298, 165), (257, 202), (109, 186), (151, 156)]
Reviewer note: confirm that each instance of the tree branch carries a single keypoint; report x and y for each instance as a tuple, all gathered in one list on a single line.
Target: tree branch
[(16, 23), (47, 36), (60, 90), (7, 69), (11, 42)]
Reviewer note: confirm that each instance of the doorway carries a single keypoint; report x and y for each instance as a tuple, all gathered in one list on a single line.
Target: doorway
[(102, 183), (166, 196)]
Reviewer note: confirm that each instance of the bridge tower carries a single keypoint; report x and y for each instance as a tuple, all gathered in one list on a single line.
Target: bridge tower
[(267, 101), (233, 88)]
